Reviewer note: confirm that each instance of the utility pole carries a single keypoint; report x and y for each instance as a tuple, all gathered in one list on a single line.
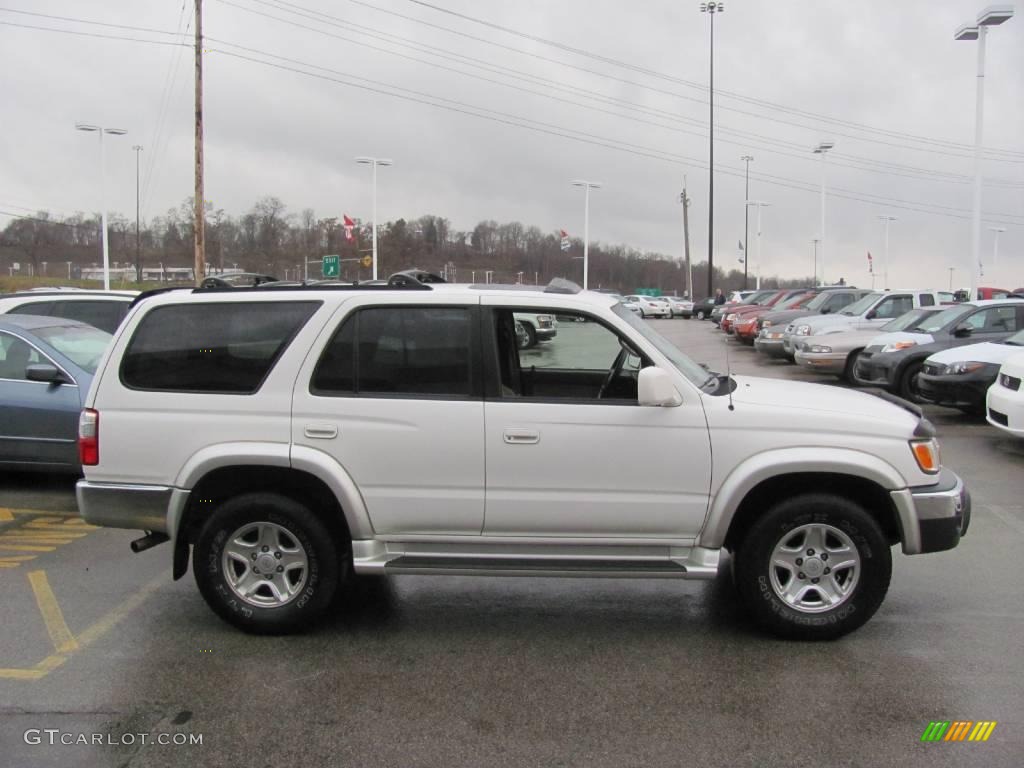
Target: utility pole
[(746, 218), (200, 198), (138, 242), (686, 240)]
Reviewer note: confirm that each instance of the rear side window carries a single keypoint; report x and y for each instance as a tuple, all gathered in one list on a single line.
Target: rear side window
[(927, 300), (217, 348), (419, 351), (105, 315), (33, 308)]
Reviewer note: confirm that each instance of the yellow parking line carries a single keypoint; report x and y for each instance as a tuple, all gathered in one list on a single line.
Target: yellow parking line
[(63, 640), (6, 515), (24, 548)]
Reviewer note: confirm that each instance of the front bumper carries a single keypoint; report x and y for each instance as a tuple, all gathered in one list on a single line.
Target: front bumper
[(771, 347), (820, 362), (546, 334), (138, 507), (1005, 409), (933, 518), (966, 390), (874, 371)]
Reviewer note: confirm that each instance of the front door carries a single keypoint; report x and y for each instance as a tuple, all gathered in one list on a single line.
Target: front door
[(394, 397), (569, 451)]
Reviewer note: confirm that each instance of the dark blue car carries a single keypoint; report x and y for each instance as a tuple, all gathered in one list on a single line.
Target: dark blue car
[(46, 367)]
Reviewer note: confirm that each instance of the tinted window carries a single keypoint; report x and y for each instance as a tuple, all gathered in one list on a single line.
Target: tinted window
[(927, 300), (105, 315), (398, 351), (226, 348), (894, 306), (994, 320), (32, 308)]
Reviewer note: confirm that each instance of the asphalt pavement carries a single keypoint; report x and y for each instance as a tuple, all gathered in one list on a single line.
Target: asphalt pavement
[(99, 644)]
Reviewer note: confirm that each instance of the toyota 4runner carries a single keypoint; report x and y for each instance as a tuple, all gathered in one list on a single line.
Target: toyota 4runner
[(288, 438)]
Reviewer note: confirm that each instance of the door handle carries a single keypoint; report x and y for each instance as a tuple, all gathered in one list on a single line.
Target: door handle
[(521, 436), (320, 431)]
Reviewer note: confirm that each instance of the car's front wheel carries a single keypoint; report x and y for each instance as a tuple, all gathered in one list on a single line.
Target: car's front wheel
[(814, 567), (266, 564), (700, 314)]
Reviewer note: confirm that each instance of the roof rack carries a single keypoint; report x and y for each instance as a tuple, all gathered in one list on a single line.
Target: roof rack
[(275, 288)]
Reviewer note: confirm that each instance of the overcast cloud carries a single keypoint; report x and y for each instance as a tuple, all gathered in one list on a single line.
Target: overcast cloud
[(892, 66)]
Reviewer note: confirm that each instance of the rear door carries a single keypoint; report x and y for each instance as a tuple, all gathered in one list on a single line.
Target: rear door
[(393, 393)]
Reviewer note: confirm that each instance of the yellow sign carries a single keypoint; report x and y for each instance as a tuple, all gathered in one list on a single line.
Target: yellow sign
[(367, 261)]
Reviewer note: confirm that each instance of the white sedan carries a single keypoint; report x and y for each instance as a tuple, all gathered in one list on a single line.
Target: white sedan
[(1005, 400), (651, 306)]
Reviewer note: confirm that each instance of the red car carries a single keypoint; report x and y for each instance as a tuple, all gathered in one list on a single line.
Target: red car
[(747, 326), (764, 304)]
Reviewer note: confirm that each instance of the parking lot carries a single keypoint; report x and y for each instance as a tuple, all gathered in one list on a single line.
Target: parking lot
[(458, 671)]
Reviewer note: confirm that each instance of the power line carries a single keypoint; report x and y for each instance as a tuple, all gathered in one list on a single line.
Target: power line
[(88, 34), (681, 81), (86, 21)]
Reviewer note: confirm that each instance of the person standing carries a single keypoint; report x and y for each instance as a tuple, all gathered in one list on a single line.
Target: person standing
[(719, 297)]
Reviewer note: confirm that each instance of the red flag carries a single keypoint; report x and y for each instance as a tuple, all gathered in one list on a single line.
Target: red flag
[(349, 226), (565, 239), (871, 264)]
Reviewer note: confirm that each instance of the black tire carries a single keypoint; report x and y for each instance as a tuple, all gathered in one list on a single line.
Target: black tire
[(700, 314), (908, 382), (851, 363), (532, 333), (328, 563), (643, 315), (753, 570)]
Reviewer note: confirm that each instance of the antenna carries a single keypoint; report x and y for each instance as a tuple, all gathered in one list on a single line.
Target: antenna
[(728, 374)]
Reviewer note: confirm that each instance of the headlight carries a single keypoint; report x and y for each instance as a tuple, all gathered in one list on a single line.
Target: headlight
[(897, 346), (731, 316), (926, 452), (766, 323), (819, 349), (802, 330), (962, 367)]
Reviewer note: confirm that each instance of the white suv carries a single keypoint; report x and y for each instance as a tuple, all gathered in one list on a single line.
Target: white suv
[(286, 437)]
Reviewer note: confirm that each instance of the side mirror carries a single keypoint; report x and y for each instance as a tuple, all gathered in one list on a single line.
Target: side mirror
[(826, 310), (655, 387), (962, 331), (871, 315), (46, 373)]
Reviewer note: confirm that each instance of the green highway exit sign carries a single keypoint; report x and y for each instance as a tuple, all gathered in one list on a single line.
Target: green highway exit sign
[(331, 265)]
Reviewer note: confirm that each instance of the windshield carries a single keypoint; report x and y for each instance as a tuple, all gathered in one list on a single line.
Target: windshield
[(757, 297), (1017, 340), (862, 306), (83, 346), (940, 320), (907, 321), (699, 376), (791, 302), (817, 302)]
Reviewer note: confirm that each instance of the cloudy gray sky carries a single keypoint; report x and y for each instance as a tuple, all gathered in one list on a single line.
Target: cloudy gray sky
[(490, 120)]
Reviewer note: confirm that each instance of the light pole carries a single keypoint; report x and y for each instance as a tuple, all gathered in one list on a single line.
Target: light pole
[(374, 162), (951, 271), (587, 186), (711, 9), (759, 204), (138, 242), (821, 149), (814, 243), (885, 253), (995, 243), (990, 17), (103, 194), (746, 215)]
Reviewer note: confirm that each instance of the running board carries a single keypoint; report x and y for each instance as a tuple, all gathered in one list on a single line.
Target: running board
[(471, 566)]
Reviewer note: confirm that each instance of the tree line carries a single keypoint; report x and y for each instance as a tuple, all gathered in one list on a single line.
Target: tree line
[(270, 239)]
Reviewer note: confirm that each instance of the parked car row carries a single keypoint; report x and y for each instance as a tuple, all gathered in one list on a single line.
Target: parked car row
[(916, 344)]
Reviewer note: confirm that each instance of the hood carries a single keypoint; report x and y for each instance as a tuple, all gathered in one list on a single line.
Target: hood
[(861, 412), (986, 352), (780, 316), (919, 339), (845, 339), (829, 323), (1014, 366)]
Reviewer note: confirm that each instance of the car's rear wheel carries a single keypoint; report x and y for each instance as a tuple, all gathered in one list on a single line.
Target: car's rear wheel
[(814, 567), (700, 314), (266, 564)]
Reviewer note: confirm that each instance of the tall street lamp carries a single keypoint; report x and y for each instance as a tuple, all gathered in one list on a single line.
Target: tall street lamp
[(995, 243), (885, 253), (587, 186), (711, 9), (103, 194), (746, 215), (989, 17), (374, 162), (820, 150), (759, 204), (138, 242)]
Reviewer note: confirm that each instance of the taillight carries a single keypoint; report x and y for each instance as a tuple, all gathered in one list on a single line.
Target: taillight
[(89, 437)]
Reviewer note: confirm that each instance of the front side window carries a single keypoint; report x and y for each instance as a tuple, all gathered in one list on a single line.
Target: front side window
[(226, 348), (389, 351), (15, 356), (583, 361), (994, 320), (894, 306)]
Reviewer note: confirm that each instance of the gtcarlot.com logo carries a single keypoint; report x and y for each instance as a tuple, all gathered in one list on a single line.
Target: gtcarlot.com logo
[(958, 730), (54, 736)]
